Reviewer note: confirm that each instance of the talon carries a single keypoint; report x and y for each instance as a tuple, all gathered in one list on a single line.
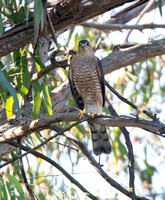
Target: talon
[(94, 114), (81, 113)]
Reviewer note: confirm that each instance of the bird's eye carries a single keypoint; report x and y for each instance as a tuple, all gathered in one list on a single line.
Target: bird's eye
[(87, 43)]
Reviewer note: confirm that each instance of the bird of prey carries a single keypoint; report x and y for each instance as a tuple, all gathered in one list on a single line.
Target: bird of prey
[(86, 80)]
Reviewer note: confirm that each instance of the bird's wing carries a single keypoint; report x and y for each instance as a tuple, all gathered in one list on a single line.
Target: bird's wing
[(101, 78), (76, 96)]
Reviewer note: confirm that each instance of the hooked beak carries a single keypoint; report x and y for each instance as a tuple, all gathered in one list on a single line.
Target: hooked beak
[(82, 46)]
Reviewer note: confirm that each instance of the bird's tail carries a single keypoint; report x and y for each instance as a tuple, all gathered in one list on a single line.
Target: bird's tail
[(101, 143)]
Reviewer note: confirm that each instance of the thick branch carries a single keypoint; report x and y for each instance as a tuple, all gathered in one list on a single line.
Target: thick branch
[(41, 123), (23, 34), (132, 55), (65, 7)]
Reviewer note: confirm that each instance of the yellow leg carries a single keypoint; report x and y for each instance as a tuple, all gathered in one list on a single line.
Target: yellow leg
[(93, 114), (81, 113)]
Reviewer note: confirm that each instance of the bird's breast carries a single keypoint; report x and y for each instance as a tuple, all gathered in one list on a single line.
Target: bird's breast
[(86, 80)]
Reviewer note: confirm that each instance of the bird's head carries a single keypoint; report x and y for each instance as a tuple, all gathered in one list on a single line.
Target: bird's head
[(84, 47)]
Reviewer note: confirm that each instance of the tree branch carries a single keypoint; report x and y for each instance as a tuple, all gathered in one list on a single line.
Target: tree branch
[(118, 59), (122, 26), (132, 55), (17, 130), (22, 35)]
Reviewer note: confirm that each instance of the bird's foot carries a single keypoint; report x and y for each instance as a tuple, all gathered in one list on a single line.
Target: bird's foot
[(81, 113), (94, 114)]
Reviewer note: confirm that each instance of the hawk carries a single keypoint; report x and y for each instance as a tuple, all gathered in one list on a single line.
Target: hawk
[(87, 85)]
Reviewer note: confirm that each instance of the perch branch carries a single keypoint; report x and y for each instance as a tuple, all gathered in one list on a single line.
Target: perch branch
[(40, 124)]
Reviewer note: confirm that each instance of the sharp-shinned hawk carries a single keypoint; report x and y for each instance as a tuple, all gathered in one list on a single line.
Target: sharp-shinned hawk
[(86, 79)]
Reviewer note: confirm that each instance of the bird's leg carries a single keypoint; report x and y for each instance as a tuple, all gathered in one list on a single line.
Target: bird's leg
[(81, 113), (99, 162), (93, 114)]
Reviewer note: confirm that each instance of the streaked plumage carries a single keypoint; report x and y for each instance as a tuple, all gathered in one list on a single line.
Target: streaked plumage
[(88, 89)]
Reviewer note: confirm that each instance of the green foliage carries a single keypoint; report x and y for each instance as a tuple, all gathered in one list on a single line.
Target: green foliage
[(8, 184), (46, 100), (15, 11), (18, 17), (4, 83), (160, 6), (36, 99), (39, 13), (1, 25)]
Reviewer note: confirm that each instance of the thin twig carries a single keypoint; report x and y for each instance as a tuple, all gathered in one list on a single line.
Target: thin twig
[(46, 70), (128, 102), (134, 5), (52, 30), (31, 193)]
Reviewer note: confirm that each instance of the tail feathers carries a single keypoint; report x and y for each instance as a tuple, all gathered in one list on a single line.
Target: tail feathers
[(101, 143)]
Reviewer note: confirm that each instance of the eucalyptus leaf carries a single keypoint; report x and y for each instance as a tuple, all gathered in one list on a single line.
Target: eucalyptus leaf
[(4, 82)]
